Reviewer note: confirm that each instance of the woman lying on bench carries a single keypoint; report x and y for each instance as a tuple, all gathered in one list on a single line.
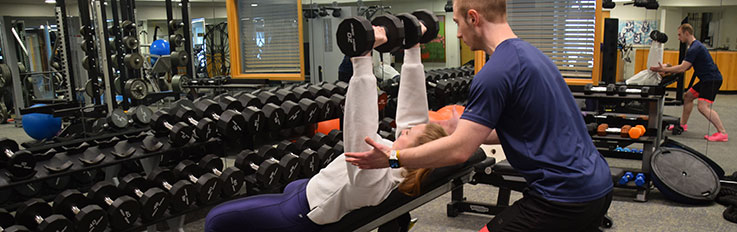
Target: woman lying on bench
[(341, 187)]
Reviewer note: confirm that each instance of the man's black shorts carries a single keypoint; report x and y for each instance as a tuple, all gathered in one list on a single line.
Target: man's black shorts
[(706, 89), (535, 213)]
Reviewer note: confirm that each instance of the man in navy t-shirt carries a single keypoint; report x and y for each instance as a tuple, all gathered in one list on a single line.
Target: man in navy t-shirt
[(518, 99), (710, 80)]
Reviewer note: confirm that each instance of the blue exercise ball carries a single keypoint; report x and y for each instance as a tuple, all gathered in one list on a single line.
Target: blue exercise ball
[(159, 47), (41, 126)]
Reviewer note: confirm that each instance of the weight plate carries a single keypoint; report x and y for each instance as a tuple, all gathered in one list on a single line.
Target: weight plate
[(177, 39), (136, 89), (5, 76), (86, 62), (178, 81), (431, 23), (394, 32), (133, 61), (114, 58), (179, 58), (355, 36), (4, 114), (118, 85), (130, 42), (90, 89), (83, 45)]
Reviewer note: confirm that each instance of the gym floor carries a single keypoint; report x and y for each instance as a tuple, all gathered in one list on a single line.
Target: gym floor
[(657, 214)]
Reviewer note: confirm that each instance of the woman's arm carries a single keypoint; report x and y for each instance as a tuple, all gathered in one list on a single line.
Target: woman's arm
[(412, 100), (361, 118)]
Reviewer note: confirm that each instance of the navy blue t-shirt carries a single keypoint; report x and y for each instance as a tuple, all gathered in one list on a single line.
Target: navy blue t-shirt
[(521, 93), (703, 64)]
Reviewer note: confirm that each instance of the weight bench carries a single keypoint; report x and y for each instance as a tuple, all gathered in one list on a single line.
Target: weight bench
[(437, 183), (501, 175)]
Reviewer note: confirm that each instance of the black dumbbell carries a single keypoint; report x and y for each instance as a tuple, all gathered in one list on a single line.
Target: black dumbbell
[(204, 129), (266, 173), (183, 102), (413, 33), (140, 115), (302, 92), (339, 100), (317, 91), (304, 142), (230, 123), (89, 217), (153, 200), (275, 115), (310, 110), (122, 210), (255, 119), (182, 192), (326, 155), (7, 221), (333, 89), (179, 133), (117, 120), (38, 215), (228, 102), (321, 138), (326, 108), (338, 148), (335, 136), (308, 162), (285, 95), (207, 185), (287, 161), (356, 36), (293, 113), (19, 164), (248, 99), (232, 178), (267, 97)]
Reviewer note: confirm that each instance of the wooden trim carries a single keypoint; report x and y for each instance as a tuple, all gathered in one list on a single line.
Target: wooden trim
[(235, 54), (479, 60), (577, 81)]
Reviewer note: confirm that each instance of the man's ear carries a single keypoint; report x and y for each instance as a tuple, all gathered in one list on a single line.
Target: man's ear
[(473, 16)]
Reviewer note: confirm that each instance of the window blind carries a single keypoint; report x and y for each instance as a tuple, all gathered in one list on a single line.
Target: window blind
[(269, 36), (562, 29)]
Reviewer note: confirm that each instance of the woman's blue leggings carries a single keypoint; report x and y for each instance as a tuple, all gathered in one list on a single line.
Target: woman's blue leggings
[(265, 212)]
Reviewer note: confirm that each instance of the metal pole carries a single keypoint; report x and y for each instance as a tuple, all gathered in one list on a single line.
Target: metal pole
[(12, 62), (104, 54), (187, 33)]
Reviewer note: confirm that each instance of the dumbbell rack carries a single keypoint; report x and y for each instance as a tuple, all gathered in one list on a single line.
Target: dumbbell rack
[(653, 100)]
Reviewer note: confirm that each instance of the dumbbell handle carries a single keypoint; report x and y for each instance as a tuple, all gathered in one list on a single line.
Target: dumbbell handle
[(379, 37), (192, 121), (168, 125), (138, 192), (108, 201), (217, 172), (253, 166), (75, 210), (8, 153), (215, 116), (166, 185), (38, 219), (192, 178)]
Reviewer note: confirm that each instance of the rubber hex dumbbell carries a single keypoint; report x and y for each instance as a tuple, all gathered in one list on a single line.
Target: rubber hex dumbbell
[(267, 97), (287, 161), (285, 95), (275, 116), (339, 100), (317, 91), (356, 36), (182, 192), (140, 115), (326, 155), (153, 200), (87, 217), (412, 26), (248, 99), (204, 129), (38, 215), (19, 164), (230, 123), (255, 120), (207, 185), (179, 133), (228, 102), (293, 113), (122, 210), (308, 162), (7, 221), (117, 120), (303, 93), (334, 136), (232, 178), (266, 173), (309, 109), (326, 107), (304, 142)]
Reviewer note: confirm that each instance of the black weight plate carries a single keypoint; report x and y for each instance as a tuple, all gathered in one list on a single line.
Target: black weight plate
[(412, 29), (431, 23), (684, 177), (355, 36), (394, 32)]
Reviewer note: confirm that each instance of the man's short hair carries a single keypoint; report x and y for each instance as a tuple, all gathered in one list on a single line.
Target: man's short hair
[(686, 28), (492, 10)]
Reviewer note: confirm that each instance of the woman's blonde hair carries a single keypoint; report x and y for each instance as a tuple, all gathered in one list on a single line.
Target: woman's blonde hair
[(413, 176)]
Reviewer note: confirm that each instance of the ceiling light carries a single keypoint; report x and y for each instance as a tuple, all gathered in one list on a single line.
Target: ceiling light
[(50, 1), (254, 4)]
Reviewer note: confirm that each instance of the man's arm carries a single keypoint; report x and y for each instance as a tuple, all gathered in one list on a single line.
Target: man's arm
[(685, 65), (493, 138), (453, 149)]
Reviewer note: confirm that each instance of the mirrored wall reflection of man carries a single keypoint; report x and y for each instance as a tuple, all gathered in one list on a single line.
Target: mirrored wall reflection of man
[(710, 80)]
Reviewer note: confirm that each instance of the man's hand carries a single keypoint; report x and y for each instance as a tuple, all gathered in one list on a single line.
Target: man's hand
[(658, 68), (449, 124), (378, 157)]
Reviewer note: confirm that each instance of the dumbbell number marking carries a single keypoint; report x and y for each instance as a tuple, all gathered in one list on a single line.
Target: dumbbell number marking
[(271, 177), (185, 137), (119, 117), (258, 119), (352, 40), (157, 205), (126, 216), (209, 132), (294, 116), (185, 197), (233, 183), (236, 127), (211, 190), (95, 223), (23, 165), (291, 170), (311, 114), (277, 120)]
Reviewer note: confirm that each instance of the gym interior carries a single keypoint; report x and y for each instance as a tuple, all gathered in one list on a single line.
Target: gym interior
[(111, 106)]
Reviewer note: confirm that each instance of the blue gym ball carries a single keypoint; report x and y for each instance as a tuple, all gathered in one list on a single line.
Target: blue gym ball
[(41, 126), (159, 47)]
